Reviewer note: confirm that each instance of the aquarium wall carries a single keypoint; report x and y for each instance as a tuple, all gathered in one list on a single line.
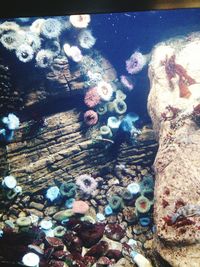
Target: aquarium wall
[(99, 139)]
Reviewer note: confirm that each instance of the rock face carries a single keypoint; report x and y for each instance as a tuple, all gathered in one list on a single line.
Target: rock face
[(175, 91)]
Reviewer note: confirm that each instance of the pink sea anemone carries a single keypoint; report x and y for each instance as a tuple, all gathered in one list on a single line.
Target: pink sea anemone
[(127, 82), (135, 63), (86, 183), (90, 117), (92, 98)]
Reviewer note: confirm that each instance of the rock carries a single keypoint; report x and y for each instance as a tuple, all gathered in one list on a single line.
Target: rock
[(54, 242), (114, 232), (80, 207), (51, 210), (170, 104), (124, 263), (130, 215), (37, 206), (35, 212)]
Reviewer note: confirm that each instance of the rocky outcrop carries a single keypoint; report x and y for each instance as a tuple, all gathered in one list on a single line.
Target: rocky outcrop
[(65, 148), (175, 91)]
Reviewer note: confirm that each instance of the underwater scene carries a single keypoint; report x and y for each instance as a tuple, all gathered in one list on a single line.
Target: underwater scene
[(100, 140)]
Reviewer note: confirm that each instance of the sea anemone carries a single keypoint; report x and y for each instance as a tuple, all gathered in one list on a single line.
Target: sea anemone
[(113, 122), (87, 184), (127, 82), (10, 40), (44, 58), (68, 190), (102, 109), (51, 28), (31, 259), (115, 202), (120, 106), (135, 63), (9, 182), (75, 53), (92, 98), (25, 53), (105, 90), (66, 48), (53, 193), (11, 121), (33, 40), (120, 95), (37, 25), (86, 39), (142, 204), (9, 26), (105, 131), (80, 21), (90, 117)]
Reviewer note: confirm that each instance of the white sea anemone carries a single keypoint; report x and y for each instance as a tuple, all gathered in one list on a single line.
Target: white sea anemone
[(25, 53), (44, 58), (9, 26), (31, 259), (86, 39), (51, 28), (66, 48), (80, 21), (113, 122), (12, 121), (105, 90), (33, 40), (53, 193), (73, 51), (76, 54), (37, 25), (9, 182), (10, 40), (46, 225)]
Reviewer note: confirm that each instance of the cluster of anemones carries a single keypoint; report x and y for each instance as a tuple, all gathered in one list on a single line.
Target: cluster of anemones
[(102, 92)]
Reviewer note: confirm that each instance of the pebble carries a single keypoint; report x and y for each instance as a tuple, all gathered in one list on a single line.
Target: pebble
[(51, 210), (10, 223), (37, 206), (35, 212), (80, 207)]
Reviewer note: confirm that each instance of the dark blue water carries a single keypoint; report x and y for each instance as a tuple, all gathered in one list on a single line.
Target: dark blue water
[(120, 34)]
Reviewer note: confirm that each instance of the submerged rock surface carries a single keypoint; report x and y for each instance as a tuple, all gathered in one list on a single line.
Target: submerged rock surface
[(175, 91)]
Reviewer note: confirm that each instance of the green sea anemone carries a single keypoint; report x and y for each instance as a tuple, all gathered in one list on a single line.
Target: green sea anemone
[(120, 106), (105, 131), (127, 195), (102, 109), (68, 190), (147, 182), (142, 204), (116, 203), (23, 221), (120, 95), (59, 231)]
